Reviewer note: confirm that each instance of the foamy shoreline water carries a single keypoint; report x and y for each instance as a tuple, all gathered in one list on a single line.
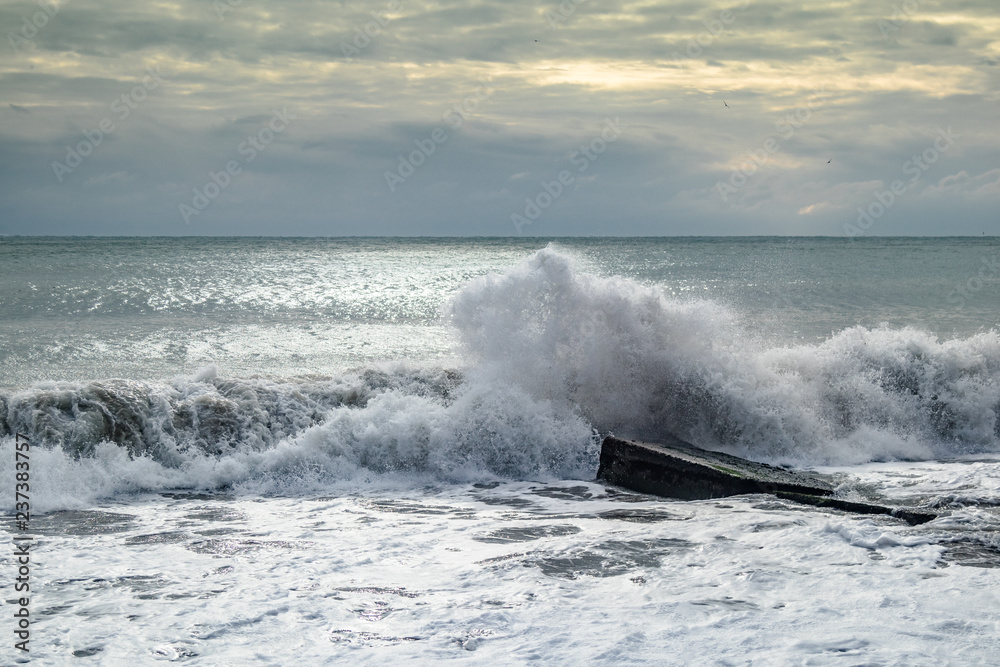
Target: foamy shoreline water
[(515, 572), (379, 450)]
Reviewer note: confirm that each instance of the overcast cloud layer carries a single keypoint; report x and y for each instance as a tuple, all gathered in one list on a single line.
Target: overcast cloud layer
[(658, 117)]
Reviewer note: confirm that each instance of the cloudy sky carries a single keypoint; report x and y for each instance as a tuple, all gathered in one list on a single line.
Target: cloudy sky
[(499, 117)]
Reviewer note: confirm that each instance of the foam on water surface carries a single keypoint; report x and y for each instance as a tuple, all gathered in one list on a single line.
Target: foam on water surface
[(554, 356), (452, 572), (393, 458)]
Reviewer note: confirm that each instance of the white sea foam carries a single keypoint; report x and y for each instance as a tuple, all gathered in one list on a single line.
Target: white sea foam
[(562, 576), (633, 361), (340, 531), (389, 429), (553, 353)]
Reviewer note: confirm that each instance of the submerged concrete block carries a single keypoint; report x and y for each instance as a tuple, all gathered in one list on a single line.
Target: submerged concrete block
[(677, 469)]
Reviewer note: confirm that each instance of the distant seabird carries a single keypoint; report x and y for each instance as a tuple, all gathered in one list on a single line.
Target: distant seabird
[(829, 161), (724, 102)]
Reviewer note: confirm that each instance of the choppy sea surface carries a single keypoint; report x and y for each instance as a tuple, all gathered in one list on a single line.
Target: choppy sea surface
[(328, 451)]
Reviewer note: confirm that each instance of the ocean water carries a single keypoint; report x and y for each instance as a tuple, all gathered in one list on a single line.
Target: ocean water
[(322, 451)]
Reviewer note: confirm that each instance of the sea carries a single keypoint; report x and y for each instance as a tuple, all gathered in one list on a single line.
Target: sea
[(370, 451)]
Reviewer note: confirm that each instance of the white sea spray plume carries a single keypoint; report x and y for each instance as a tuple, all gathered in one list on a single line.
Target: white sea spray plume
[(632, 360)]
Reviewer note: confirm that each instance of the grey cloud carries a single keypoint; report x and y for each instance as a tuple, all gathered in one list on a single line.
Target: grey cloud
[(325, 174)]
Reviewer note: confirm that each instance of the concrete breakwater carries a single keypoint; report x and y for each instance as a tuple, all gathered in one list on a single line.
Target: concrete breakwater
[(677, 469)]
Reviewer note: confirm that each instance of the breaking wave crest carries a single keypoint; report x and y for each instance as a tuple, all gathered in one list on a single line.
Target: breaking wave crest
[(555, 356), (630, 360)]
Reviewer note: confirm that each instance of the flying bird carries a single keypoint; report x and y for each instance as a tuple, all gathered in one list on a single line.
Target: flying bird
[(829, 161), (724, 102)]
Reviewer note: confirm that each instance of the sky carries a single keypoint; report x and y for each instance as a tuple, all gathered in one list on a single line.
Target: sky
[(500, 118)]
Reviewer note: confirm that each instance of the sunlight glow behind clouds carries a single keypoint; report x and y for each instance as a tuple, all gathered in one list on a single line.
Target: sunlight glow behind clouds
[(690, 121)]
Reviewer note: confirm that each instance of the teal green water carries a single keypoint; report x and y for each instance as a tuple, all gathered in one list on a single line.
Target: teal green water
[(86, 308)]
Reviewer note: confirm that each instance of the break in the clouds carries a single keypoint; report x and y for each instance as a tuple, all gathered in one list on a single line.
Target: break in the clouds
[(492, 117)]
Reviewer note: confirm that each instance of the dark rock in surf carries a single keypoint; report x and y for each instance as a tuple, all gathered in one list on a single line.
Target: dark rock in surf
[(910, 516), (677, 469)]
